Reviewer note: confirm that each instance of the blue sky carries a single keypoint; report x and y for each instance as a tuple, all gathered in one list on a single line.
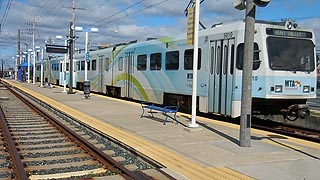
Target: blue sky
[(126, 20), (296, 9)]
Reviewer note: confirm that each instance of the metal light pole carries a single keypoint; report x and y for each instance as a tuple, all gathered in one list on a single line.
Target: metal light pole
[(50, 71), (41, 69), (87, 57), (34, 61), (65, 68), (64, 64), (195, 66), (92, 30), (18, 57), (29, 57)]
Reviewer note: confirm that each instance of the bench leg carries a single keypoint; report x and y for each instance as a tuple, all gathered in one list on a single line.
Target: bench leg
[(164, 122), (142, 113), (151, 112), (175, 118)]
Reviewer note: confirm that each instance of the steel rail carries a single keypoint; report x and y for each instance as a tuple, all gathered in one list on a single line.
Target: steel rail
[(17, 164), (292, 131)]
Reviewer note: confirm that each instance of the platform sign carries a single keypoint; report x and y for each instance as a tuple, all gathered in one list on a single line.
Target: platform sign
[(190, 32), (56, 49), (87, 57)]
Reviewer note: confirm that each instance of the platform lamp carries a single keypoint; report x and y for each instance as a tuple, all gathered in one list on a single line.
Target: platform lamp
[(35, 50), (64, 67), (246, 96), (87, 57), (87, 30), (29, 57), (16, 67)]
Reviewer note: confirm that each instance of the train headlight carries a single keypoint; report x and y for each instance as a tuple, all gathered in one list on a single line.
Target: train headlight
[(306, 89), (278, 89)]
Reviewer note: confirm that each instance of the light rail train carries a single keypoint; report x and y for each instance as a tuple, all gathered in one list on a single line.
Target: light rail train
[(160, 70)]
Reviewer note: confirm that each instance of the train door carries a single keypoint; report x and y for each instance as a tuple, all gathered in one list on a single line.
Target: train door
[(220, 76), (128, 67), (100, 73)]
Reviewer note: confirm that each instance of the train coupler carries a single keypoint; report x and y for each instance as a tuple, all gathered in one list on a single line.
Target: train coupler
[(296, 111)]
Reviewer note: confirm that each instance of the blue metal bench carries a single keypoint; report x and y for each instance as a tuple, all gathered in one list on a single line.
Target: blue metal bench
[(165, 110)]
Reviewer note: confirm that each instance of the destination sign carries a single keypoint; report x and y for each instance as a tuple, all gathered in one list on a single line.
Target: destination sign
[(289, 33)]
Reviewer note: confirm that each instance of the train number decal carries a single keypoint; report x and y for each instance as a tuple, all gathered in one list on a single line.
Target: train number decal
[(228, 35)]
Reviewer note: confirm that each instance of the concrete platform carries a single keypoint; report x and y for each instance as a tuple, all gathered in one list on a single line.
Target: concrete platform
[(215, 145)]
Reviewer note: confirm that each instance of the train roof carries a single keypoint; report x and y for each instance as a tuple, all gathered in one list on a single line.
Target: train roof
[(217, 28)]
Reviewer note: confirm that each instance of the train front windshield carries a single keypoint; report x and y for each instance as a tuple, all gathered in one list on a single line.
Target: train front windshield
[(288, 54)]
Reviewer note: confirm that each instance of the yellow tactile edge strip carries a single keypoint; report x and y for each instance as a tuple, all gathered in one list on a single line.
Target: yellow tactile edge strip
[(165, 156)]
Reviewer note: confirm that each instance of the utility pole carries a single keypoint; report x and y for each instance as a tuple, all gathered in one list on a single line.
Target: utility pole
[(71, 45), (1, 68), (50, 65), (246, 100), (246, 96)]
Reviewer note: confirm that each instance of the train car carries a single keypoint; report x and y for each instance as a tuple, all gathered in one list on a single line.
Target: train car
[(160, 70), (53, 71)]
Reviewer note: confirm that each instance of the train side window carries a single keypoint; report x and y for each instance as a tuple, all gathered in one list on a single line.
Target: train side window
[(94, 65), (212, 60), (225, 60), (219, 59), (188, 59), (67, 67), (107, 64), (142, 62), (88, 65), (232, 59), (82, 65), (155, 61), (78, 66), (60, 67), (120, 64), (240, 53), (172, 60)]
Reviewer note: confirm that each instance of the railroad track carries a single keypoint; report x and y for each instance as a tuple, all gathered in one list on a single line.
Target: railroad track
[(41, 143), (287, 129), (300, 132)]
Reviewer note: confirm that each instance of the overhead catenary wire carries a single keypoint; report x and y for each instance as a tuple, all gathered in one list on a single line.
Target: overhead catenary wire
[(54, 10), (5, 15), (133, 13), (96, 23), (94, 8)]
